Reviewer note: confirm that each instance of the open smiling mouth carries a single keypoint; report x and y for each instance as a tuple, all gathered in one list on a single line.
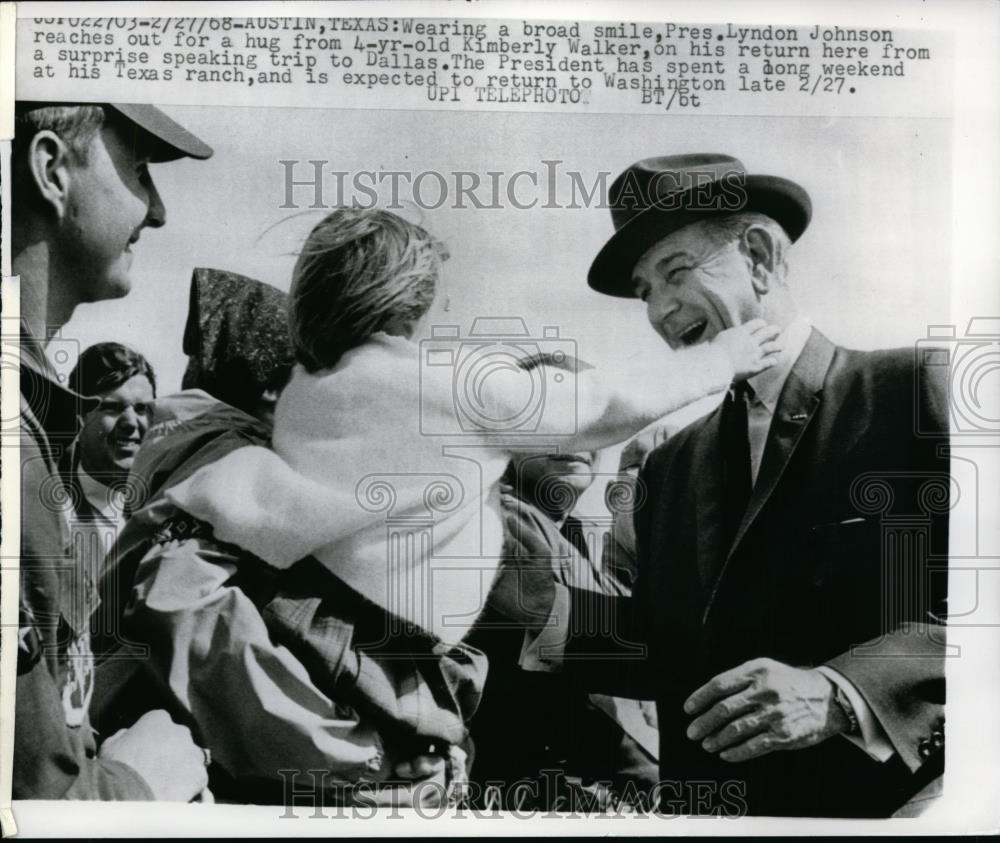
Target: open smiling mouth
[(692, 333)]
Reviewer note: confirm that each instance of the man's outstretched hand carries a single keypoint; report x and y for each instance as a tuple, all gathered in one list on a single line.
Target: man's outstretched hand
[(524, 590), (764, 706)]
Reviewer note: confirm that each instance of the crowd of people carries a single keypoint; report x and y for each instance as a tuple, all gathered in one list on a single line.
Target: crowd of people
[(275, 584)]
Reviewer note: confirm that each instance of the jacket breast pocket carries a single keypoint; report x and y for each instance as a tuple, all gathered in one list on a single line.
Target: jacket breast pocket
[(839, 549), (849, 575)]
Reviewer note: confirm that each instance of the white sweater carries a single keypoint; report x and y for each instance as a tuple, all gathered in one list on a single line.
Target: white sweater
[(373, 474)]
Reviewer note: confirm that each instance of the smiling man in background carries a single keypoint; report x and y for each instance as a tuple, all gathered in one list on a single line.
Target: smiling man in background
[(123, 382)]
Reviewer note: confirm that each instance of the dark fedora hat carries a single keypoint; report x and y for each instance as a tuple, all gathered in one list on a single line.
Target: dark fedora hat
[(656, 196)]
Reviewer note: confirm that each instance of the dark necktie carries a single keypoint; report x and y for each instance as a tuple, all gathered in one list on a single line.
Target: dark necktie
[(736, 457)]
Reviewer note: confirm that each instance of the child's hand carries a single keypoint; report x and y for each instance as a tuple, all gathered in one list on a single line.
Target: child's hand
[(752, 347)]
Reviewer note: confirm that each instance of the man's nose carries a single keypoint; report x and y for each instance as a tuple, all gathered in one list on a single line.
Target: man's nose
[(156, 216), (662, 305), (129, 419)]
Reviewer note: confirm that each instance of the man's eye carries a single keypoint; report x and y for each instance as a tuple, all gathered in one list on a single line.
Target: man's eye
[(674, 274), (112, 408), (142, 409)]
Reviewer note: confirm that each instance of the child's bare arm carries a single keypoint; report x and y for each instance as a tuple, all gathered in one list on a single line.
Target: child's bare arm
[(609, 405)]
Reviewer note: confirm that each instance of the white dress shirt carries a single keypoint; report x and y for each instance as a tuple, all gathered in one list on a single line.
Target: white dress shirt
[(94, 536), (108, 503)]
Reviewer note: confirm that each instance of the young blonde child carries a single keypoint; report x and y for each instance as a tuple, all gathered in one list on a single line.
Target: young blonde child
[(408, 519)]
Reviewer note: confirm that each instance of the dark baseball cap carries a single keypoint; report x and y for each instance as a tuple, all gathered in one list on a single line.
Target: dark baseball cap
[(170, 140)]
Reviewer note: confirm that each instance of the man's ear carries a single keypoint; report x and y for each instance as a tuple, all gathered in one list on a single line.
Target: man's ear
[(48, 167), (762, 250)]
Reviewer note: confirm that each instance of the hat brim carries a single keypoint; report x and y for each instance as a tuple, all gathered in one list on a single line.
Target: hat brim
[(169, 139), (611, 272)]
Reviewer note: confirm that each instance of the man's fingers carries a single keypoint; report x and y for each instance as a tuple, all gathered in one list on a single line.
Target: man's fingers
[(735, 732), (771, 347), (420, 767), (757, 746), (724, 685), (428, 793), (755, 325), (720, 714)]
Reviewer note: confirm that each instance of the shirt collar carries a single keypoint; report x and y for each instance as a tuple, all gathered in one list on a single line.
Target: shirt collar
[(768, 384), (109, 502)]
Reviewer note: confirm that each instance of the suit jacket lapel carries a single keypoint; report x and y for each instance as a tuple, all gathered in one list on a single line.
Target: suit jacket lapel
[(797, 404)]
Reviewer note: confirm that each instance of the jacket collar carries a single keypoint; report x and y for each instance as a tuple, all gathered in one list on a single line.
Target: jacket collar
[(57, 409)]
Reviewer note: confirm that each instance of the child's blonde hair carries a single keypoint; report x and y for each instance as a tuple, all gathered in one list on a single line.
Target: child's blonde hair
[(360, 271)]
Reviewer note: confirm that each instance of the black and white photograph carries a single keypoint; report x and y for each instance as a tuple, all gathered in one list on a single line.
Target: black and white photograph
[(582, 417)]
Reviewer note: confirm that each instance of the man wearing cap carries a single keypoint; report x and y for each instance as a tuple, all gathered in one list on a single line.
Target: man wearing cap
[(788, 602), (82, 195)]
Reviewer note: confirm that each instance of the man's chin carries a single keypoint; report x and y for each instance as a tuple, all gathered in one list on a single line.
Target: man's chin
[(118, 288), (579, 482), (109, 287), (710, 333), (118, 279), (123, 466)]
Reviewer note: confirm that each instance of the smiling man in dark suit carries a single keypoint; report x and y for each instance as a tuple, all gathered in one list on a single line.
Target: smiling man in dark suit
[(791, 544)]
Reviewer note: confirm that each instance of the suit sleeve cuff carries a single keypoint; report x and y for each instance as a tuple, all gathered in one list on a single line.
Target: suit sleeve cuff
[(545, 649), (873, 738)]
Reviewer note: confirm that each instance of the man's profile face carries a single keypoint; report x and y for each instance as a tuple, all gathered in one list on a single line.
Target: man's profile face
[(694, 288), (111, 199), (113, 431)]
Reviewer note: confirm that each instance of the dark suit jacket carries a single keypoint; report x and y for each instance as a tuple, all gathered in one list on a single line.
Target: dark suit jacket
[(841, 558)]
